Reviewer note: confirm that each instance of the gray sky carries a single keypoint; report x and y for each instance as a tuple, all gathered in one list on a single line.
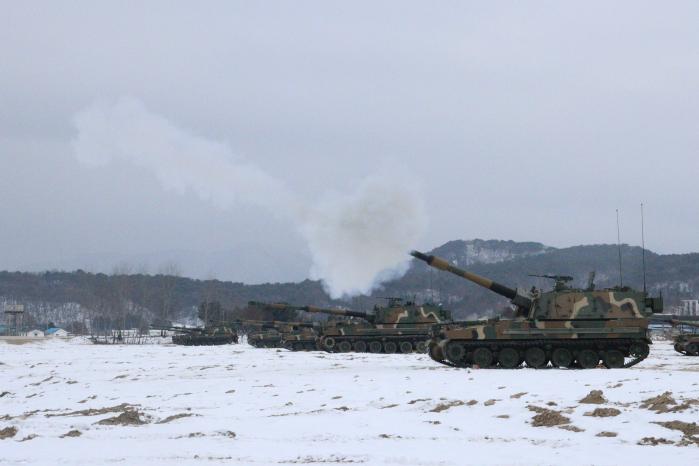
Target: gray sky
[(524, 120)]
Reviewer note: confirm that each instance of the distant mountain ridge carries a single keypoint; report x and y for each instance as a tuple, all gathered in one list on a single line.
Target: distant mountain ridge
[(508, 262)]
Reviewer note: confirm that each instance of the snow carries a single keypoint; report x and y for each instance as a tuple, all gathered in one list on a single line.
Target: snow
[(318, 408)]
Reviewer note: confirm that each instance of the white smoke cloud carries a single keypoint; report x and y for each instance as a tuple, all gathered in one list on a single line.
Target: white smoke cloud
[(356, 240)]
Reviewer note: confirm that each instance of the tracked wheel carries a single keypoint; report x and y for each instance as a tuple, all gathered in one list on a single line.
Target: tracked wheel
[(375, 346), (639, 350), (692, 349), (535, 358), (613, 359), (483, 357), (455, 352), (508, 358), (405, 347), (562, 357), (344, 347), (588, 359), (390, 347), (360, 346), (421, 347)]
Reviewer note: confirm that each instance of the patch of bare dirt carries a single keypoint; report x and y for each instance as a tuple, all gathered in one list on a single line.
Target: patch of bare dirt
[(72, 433), (444, 406), (660, 403), (389, 406), (4, 393), (490, 402), (126, 418), (503, 416), (654, 441), (605, 433), (595, 397), (94, 412), (333, 459), (471, 402), (8, 432), (686, 428), (603, 412), (571, 428), (29, 437), (547, 417), (412, 402), (518, 395), (175, 417)]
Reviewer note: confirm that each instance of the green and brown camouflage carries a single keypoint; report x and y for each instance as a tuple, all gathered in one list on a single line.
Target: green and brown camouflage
[(686, 343), (201, 336), (397, 327), (567, 326), (295, 336)]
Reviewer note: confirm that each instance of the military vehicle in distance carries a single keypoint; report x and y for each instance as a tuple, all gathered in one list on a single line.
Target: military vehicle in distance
[(398, 327), (567, 326), (201, 336), (295, 336), (686, 343)]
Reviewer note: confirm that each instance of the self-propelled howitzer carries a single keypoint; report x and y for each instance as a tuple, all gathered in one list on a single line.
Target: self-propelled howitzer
[(201, 336), (567, 326), (295, 336), (397, 327), (686, 343)]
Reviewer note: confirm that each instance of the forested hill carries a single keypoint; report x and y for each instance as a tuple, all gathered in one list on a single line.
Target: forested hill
[(65, 297)]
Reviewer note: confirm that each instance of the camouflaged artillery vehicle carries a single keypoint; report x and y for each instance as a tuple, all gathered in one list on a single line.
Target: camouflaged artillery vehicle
[(295, 336), (201, 336), (398, 327), (569, 327), (686, 343)]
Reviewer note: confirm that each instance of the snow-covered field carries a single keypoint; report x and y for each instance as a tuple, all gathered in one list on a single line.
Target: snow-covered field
[(239, 405)]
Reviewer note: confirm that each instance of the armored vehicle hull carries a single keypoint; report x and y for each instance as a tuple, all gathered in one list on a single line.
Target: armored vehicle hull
[(566, 327), (204, 340), (687, 343), (396, 328)]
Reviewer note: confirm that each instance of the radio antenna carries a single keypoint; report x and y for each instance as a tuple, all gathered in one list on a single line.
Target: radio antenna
[(643, 249), (618, 243)]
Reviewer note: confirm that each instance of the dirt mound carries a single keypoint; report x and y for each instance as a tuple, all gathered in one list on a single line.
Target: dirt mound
[(603, 412), (686, 428), (660, 403), (94, 412), (72, 433), (127, 418), (444, 406), (547, 417), (655, 441), (605, 433), (8, 432), (518, 395), (595, 397), (174, 417)]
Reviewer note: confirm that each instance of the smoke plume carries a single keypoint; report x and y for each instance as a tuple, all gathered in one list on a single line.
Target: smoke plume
[(356, 239)]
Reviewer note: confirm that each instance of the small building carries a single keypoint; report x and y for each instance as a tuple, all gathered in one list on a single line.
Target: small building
[(689, 307), (35, 333), (55, 332)]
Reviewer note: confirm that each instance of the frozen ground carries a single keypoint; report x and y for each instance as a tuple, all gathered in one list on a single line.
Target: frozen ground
[(261, 406)]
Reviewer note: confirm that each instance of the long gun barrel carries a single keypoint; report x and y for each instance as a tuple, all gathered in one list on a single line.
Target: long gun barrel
[(313, 309), (442, 264)]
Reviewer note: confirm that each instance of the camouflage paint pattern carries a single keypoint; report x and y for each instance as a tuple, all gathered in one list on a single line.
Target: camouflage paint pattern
[(566, 325), (686, 343)]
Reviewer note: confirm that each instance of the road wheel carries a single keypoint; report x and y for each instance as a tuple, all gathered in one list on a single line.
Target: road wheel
[(483, 357), (692, 349), (297, 347), (613, 359), (508, 358), (639, 350), (390, 347), (344, 347), (535, 358), (329, 343), (455, 352), (310, 347), (588, 359), (405, 347), (421, 347), (562, 357), (435, 352), (375, 346), (360, 346)]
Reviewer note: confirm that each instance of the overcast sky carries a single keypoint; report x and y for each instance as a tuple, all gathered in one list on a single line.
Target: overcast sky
[(530, 121)]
